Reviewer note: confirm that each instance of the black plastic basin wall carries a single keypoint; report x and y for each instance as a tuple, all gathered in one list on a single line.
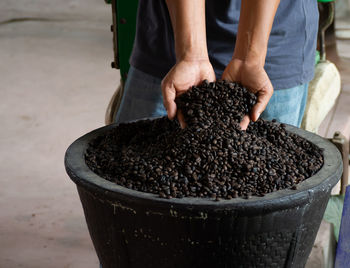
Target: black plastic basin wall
[(135, 229)]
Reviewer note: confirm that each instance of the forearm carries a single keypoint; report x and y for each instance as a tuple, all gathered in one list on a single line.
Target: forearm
[(188, 21), (255, 23)]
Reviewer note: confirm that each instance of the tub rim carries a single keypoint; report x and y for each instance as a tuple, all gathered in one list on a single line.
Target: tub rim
[(323, 180)]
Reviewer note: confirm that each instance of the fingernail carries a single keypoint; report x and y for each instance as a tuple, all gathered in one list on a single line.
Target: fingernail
[(258, 115)]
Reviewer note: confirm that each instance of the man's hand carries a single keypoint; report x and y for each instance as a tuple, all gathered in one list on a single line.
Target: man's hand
[(192, 61), (247, 64), (254, 78), (180, 78)]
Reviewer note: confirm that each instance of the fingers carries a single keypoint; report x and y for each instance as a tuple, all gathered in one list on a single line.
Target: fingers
[(245, 122), (169, 94), (181, 119), (264, 96)]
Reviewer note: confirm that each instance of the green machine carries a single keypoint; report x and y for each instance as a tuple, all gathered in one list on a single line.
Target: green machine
[(123, 28)]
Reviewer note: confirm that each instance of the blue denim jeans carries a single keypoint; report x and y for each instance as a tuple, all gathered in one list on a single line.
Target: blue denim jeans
[(143, 99)]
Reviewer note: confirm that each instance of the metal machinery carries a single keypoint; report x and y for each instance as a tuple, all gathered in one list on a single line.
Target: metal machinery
[(123, 28)]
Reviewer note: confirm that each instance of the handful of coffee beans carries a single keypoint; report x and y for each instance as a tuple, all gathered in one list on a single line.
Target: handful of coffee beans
[(212, 157)]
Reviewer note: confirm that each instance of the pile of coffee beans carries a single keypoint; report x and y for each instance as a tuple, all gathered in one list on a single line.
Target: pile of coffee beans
[(210, 158)]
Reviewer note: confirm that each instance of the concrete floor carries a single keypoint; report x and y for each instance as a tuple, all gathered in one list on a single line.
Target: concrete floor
[(56, 82)]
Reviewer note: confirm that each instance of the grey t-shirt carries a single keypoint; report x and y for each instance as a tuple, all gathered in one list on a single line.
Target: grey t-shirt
[(291, 50)]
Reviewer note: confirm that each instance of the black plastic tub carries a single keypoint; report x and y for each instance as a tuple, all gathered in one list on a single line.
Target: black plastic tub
[(136, 229)]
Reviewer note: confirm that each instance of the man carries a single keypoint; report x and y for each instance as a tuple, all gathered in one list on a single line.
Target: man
[(263, 44)]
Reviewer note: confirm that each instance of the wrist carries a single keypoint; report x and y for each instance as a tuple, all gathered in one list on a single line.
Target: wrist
[(189, 56), (256, 56), (251, 55), (251, 48), (192, 53), (250, 59)]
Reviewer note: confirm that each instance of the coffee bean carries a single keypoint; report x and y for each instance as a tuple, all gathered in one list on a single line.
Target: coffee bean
[(212, 157)]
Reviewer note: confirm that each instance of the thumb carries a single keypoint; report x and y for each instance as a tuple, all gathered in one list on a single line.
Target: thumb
[(181, 119), (245, 122), (169, 94), (263, 99)]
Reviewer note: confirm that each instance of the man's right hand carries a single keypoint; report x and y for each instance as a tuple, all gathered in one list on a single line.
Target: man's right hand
[(184, 74), (192, 61)]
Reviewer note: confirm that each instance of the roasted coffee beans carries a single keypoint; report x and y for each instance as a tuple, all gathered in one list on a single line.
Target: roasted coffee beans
[(212, 157)]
